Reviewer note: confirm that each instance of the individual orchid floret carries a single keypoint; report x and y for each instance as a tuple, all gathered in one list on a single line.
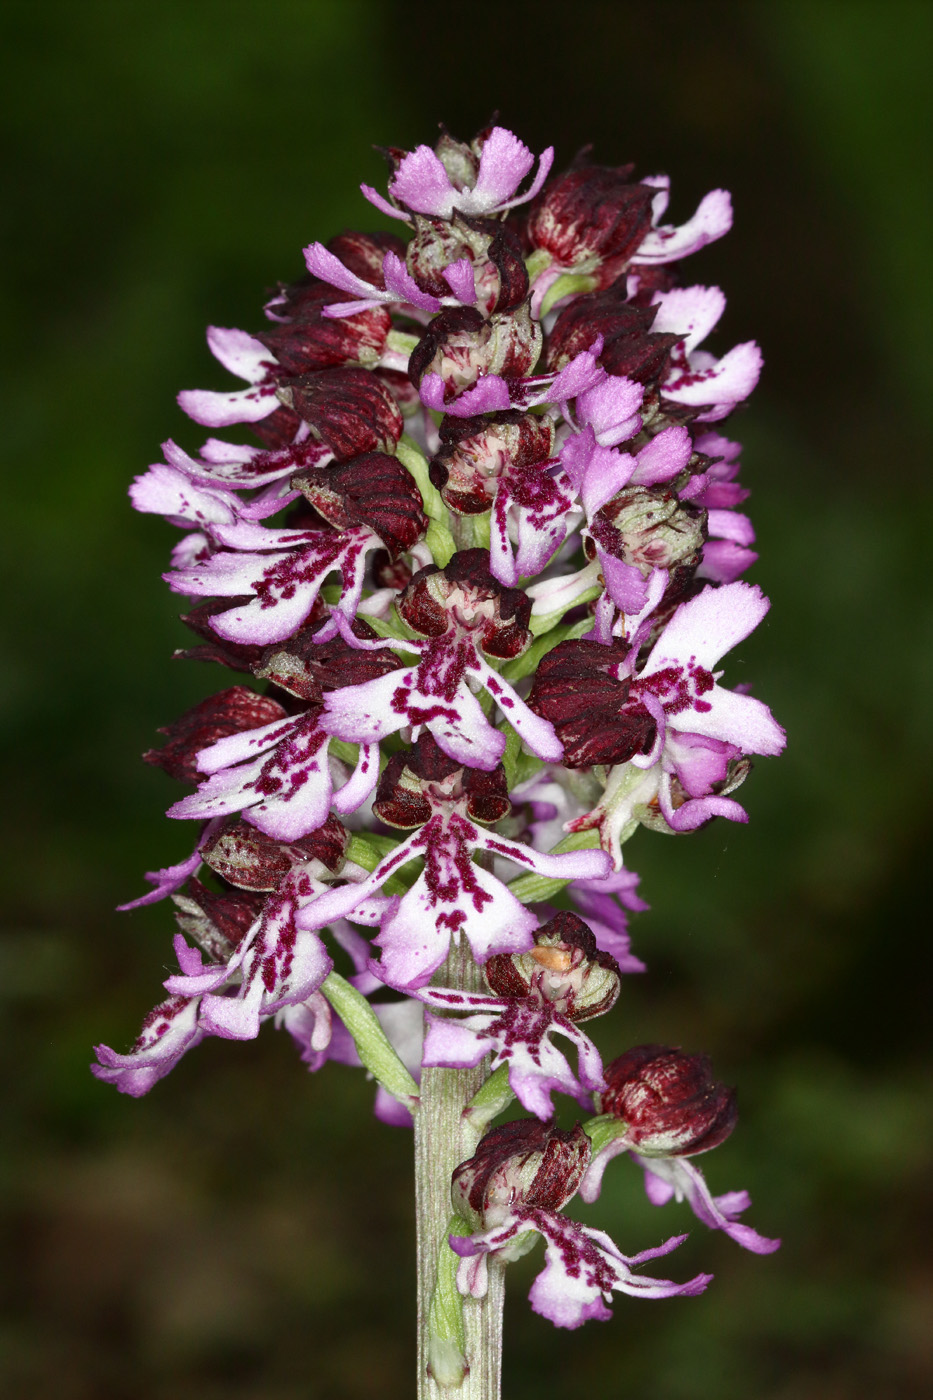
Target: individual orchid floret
[(642, 529), (452, 895), (662, 1106), (280, 777), (461, 347), (514, 1187), (247, 358), (259, 962), (461, 611), (280, 572), (695, 378), (273, 767), (482, 178), (275, 964), (562, 980), (630, 347), (670, 720), (479, 260), (501, 462), (591, 219)]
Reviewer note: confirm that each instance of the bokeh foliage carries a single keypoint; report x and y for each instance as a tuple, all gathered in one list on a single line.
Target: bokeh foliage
[(246, 1231)]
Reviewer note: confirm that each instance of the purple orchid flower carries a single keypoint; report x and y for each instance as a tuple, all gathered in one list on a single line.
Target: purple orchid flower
[(435, 694), (562, 980), (274, 965), (696, 378), (451, 895), (583, 1267), (516, 1031), (423, 184), (667, 1107), (681, 723), (280, 776), (284, 580)]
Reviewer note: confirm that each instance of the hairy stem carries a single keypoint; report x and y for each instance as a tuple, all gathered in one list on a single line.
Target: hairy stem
[(444, 1139)]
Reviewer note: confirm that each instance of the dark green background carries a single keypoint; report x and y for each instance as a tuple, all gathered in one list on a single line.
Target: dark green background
[(245, 1232)]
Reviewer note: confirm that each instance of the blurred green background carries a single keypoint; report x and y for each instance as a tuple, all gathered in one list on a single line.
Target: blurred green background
[(245, 1232)]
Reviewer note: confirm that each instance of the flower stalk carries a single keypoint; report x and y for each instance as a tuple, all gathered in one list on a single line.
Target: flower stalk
[(477, 576), (466, 1359)]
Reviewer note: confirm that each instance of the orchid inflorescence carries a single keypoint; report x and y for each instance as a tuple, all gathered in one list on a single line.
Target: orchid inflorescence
[(502, 568)]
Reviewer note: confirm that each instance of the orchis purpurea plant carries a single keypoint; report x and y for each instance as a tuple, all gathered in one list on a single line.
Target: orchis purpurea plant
[(481, 567)]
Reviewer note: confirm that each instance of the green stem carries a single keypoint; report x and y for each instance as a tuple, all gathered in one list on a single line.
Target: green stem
[(444, 1138)]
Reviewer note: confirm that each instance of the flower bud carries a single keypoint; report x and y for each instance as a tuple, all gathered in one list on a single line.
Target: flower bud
[(251, 860), (630, 348), (651, 529), (373, 490), (493, 249), (475, 452), (402, 390), (521, 1164), (308, 669), (216, 922), (230, 712), (669, 1101), (239, 656), (423, 779), (577, 688), (591, 219), (461, 346), (564, 968), (277, 429), (348, 409), (305, 339), (466, 597)]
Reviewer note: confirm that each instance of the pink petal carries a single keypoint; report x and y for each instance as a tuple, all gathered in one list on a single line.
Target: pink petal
[(503, 164), (461, 281), (423, 184), (708, 626), (690, 312), (665, 456), (240, 353), (724, 562), (730, 525), (221, 410), (489, 394), (400, 281), (712, 219)]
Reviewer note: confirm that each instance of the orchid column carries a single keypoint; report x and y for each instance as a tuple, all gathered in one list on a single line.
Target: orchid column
[(481, 566)]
